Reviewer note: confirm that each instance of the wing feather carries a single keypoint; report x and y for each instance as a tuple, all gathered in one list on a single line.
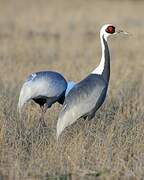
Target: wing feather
[(45, 83), (85, 97)]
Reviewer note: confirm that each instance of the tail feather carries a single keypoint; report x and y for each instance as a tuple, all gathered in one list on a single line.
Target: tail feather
[(24, 97), (62, 122)]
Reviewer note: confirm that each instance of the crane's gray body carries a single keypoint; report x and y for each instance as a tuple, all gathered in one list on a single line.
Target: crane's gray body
[(43, 87), (85, 98)]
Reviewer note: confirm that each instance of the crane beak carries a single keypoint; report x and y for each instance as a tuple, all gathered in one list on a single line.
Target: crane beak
[(121, 32)]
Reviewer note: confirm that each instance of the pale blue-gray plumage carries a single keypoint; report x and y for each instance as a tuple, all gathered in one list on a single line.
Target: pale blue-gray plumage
[(45, 88), (70, 85), (86, 97)]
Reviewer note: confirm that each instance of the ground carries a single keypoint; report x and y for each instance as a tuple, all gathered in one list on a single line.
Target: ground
[(64, 36)]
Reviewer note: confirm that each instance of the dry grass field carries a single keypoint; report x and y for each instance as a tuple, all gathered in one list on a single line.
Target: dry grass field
[(64, 36)]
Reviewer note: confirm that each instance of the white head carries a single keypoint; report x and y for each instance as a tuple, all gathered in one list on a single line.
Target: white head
[(107, 30)]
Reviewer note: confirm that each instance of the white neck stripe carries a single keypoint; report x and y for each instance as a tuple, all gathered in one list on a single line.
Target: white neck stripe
[(103, 36)]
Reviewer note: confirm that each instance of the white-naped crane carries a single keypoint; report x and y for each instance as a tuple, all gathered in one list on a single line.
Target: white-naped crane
[(87, 96), (44, 88)]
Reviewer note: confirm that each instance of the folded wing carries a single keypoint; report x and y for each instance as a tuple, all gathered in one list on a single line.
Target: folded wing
[(82, 101)]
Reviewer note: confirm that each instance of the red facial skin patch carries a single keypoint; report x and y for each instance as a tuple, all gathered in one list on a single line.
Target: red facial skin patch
[(110, 29)]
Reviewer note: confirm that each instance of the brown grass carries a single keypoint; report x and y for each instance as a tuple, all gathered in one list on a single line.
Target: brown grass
[(63, 36)]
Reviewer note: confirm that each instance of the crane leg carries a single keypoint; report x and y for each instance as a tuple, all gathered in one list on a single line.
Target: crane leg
[(42, 121), (44, 108), (43, 111)]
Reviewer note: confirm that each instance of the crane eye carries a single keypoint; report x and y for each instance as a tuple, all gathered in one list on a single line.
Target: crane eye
[(110, 29)]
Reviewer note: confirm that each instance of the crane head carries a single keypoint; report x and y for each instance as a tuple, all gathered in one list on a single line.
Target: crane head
[(109, 29)]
